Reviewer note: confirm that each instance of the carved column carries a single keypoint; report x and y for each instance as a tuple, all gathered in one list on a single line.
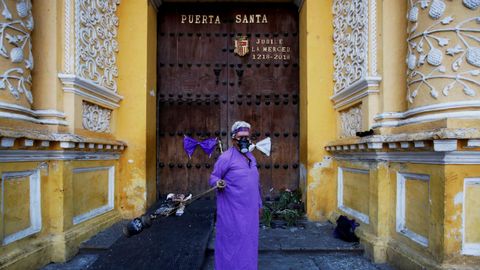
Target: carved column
[(443, 58), (16, 60)]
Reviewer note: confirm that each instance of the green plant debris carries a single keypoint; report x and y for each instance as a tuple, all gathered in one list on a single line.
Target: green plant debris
[(289, 208)]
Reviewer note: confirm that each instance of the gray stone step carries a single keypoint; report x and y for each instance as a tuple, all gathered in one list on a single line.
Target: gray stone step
[(309, 237), (310, 262)]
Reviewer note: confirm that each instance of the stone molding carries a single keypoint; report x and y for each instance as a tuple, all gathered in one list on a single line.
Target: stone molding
[(423, 118), (443, 146), (13, 111), (429, 157), (46, 155), (40, 144)]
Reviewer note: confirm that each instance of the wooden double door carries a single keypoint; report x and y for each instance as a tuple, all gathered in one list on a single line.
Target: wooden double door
[(219, 63)]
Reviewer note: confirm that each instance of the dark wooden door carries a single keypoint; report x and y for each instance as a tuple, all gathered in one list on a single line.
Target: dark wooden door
[(205, 85)]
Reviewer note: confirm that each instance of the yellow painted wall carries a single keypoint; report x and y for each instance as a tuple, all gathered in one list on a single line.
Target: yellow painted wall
[(455, 195), (472, 214), (417, 208), (16, 205), (151, 106), (136, 115), (431, 221), (317, 117), (369, 194), (356, 193), (391, 57), (47, 37), (90, 190)]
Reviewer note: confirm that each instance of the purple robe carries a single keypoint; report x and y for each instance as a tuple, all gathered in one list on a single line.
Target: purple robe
[(236, 241)]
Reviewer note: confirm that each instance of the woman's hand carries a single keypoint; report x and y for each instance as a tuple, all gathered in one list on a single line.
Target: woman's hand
[(221, 185)]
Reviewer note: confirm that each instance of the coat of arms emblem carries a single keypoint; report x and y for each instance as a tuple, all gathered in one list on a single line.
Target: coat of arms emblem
[(241, 46)]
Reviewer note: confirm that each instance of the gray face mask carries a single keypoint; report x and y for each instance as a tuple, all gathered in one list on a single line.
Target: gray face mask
[(243, 145)]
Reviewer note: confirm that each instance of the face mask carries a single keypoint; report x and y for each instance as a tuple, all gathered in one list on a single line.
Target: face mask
[(243, 145)]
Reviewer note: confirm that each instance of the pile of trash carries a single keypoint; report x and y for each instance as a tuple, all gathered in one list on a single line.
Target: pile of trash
[(173, 201)]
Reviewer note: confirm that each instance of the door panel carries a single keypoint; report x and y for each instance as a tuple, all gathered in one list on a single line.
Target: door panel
[(204, 87)]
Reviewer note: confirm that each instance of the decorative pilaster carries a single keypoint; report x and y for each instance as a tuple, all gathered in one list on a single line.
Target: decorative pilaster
[(355, 47), (95, 42), (90, 61)]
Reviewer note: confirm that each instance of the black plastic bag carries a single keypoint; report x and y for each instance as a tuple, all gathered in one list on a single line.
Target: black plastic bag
[(345, 229)]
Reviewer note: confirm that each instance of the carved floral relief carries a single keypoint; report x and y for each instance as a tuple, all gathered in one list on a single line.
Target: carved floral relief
[(16, 25), (350, 37), (351, 121), (96, 118), (96, 43), (445, 55)]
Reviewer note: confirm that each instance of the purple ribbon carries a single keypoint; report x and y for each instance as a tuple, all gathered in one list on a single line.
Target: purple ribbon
[(208, 145)]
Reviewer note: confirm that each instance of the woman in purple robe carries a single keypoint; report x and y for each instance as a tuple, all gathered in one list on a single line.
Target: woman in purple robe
[(238, 204)]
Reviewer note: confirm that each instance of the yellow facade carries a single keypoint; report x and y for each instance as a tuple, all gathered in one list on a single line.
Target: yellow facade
[(414, 185)]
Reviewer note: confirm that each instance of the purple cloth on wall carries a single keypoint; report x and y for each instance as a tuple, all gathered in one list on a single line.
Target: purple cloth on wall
[(208, 145), (236, 241)]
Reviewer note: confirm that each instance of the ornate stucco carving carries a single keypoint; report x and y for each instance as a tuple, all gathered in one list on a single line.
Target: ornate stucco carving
[(351, 121), (96, 118), (16, 25), (350, 38), (443, 48), (96, 41)]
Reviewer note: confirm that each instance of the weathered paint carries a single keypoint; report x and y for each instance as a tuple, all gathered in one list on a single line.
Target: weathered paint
[(455, 228), (136, 61), (317, 122)]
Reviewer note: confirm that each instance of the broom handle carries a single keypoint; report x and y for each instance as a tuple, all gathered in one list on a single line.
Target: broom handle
[(194, 198)]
